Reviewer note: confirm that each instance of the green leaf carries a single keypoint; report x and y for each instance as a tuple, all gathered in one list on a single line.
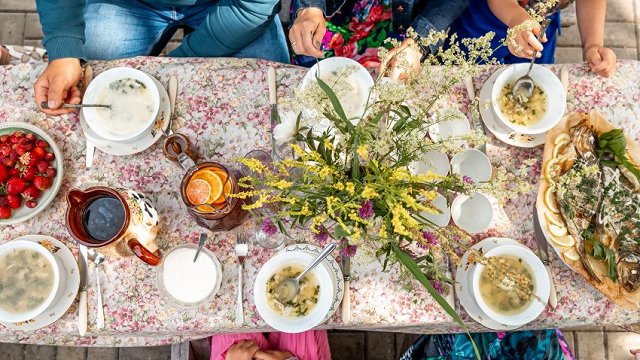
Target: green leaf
[(340, 233), (355, 161), (414, 269), (335, 102)]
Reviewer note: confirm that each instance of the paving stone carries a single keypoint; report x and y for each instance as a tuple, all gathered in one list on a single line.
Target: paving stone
[(586, 328), (12, 28), (620, 35), (569, 338), (145, 353), (28, 42), (178, 35), (626, 53), (403, 341), (39, 352), (32, 28), (380, 345), (570, 37), (620, 10), (619, 344), (590, 345), (346, 345), (71, 353), (25, 5), (568, 55), (98, 353), (568, 16), (170, 46), (201, 349), (11, 351)]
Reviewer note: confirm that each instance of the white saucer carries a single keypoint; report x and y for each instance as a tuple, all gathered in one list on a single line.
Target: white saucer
[(335, 268), (69, 284), (464, 276), (503, 133), (139, 144)]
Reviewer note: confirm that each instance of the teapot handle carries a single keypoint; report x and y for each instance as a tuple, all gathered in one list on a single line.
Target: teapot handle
[(143, 253)]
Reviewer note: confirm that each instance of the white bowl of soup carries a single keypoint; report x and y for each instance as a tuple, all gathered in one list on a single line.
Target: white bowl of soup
[(134, 99), (496, 292), (29, 279), (309, 308), (544, 109)]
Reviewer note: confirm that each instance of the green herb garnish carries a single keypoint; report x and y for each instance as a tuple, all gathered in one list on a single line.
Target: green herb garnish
[(614, 143)]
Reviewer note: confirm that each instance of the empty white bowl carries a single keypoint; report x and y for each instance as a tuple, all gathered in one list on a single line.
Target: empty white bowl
[(13, 317), (457, 125), (547, 81), (473, 213), (103, 80), (434, 161), (316, 315), (541, 289), (439, 220), (474, 164)]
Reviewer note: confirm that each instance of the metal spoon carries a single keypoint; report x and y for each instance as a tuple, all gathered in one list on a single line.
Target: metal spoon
[(203, 239), (289, 288), (98, 259), (523, 88), (44, 105)]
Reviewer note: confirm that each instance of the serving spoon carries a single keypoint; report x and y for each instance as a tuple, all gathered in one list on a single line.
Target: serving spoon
[(523, 88), (288, 289), (44, 105)]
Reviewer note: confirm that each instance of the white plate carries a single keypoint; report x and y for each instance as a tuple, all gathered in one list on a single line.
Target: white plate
[(69, 284), (489, 118), (436, 161), (473, 213), (46, 197), (137, 145), (464, 288), (474, 164), (333, 266), (440, 220), (458, 125)]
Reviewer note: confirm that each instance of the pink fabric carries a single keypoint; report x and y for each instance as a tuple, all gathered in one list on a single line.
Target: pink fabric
[(309, 345)]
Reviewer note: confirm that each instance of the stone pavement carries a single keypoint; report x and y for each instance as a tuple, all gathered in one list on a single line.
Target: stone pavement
[(19, 25)]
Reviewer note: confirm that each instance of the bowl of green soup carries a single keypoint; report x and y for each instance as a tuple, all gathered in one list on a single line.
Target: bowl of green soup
[(29, 279), (515, 288)]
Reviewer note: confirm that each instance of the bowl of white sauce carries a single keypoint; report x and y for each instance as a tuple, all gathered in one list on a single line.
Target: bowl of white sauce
[(134, 100), (29, 280)]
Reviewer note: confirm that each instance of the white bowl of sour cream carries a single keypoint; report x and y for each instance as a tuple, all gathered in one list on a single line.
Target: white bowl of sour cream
[(134, 100), (29, 280)]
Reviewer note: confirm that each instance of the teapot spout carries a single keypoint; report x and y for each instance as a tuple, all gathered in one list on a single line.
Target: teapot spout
[(76, 197)]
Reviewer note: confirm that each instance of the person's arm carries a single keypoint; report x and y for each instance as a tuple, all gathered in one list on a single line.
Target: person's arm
[(438, 15), (591, 16), (524, 43), (229, 26), (309, 27)]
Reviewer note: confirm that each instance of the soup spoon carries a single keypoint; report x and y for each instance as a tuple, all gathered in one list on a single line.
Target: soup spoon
[(523, 88), (289, 288), (44, 105), (98, 259)]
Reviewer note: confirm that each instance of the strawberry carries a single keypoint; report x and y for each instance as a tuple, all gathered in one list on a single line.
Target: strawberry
[(23, 141), (31, 137), (38, 153), (42, 183), (15, 185), (31, 204), (14, 156), (4, 174), (20, 150), (28, 147), (51, 172), (42, 166), (15, 172), (3, 201), (30, 193), (4, 138), (14, 201), (7, 162), (5, 212), (5, 150), (28, 174), (49, 157), (43, 144), (14, 138), (27, 159)]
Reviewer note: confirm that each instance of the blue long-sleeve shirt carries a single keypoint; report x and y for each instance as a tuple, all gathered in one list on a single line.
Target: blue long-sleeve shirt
[(229, 26)]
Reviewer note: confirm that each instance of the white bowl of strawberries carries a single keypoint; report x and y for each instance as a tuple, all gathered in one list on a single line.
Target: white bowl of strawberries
[(30, 171)]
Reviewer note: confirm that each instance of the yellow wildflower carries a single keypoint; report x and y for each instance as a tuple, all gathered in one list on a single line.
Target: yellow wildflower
[(350, 188), (328, 144), (339, 186), (317, 221), (429, 195), (356, 237), (281, 184), (383, 232), (324, 172), (362, 152), (254, 165), (368, 193)]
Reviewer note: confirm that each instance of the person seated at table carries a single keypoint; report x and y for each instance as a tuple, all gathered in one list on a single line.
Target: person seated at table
[(78, 30), (498, 16), (357, 28), (308, 345), (521, 345)]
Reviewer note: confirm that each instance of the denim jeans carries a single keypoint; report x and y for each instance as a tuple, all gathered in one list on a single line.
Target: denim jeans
[(118, 29)]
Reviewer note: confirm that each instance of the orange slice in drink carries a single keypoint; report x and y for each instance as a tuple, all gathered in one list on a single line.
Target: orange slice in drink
[(215, 178), (198, 191)]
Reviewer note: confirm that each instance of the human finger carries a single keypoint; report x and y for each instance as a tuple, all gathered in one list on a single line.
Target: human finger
[(532, 41), (307, 38), (389, 60)]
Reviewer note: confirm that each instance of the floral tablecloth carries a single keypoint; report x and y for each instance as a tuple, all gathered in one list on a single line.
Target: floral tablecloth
[(224, 104)]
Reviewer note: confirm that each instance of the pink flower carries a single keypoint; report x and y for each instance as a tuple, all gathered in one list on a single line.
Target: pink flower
[(268, 227)]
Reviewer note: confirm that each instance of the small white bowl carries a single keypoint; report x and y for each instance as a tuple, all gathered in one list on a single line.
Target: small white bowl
[(541, 281), (474, 164), (434, 161), (440, 220), (472, 214), (294, 324), (24, 316), (103, 80), (457, 125), (360, 76), (547, 81)]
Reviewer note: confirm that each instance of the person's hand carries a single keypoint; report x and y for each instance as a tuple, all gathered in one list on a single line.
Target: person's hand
[(242, 350), (525, 42), (307, 32), (404, 57), (272, 355), (601, 60), (57, 84), (635, 353)]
